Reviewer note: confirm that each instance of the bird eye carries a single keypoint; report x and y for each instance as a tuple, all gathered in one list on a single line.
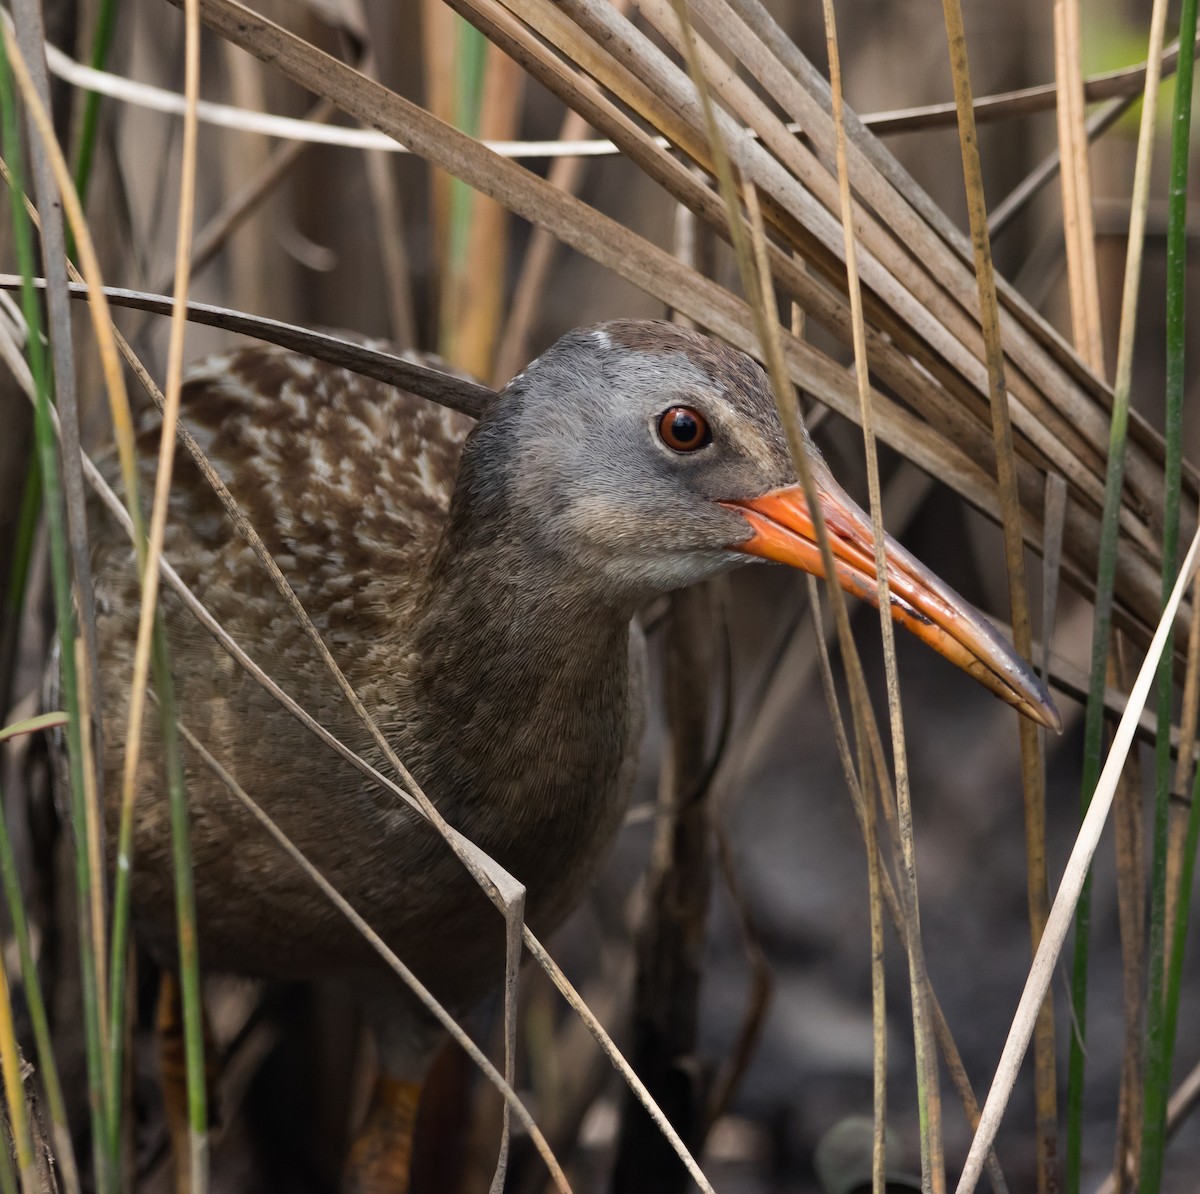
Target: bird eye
[(683, 429)]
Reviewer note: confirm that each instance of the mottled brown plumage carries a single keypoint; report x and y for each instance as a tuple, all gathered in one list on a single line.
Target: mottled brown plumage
[(478, 591)]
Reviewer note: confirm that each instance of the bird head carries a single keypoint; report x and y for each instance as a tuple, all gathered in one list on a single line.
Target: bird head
[(641, 457)]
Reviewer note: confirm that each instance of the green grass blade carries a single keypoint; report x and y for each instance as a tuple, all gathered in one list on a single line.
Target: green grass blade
[(1162, 1009), (1105, 575), (52, 496), (14, 1090), (185, 911), (22, 556), (106, 24), (36, 1004), (8, 1176)]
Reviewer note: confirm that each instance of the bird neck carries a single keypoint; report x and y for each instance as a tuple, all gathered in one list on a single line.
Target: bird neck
[(502, 615), (520, 694)]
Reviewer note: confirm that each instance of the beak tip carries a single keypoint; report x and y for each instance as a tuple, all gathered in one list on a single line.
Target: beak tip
[(1039, 706)]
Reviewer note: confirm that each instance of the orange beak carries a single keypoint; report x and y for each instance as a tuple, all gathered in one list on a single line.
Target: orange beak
[(783, 531)]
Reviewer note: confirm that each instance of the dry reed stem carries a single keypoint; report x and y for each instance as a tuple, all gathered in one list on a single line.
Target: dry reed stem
[(728, 1079), (148, 565), (892, 900), (582, 228), (252, 267), (1184, 763), (1054, 522), (1032, 766), (118, 404), (928, 1097), (669, 941), (566, 174), (477, 284), (1082, 275), (1183, 1102), (1127, 82), (1129, 845), (390, 223), (1139, 197), (30, 31), (439, 33), (95, 825), (241, 205)]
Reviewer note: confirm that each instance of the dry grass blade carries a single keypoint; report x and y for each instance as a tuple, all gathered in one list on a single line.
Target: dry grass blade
[(240, 206), (455, 391), (656, 273), (477, 287), (1129, 836), (891, 898), (27, 18), (1124, 85), (1084, 282), (1032, 769), (1184, 764), (1063, 909), (151, 637), (929, 1101), (1126, 82), (33, 725), (14, 1091)]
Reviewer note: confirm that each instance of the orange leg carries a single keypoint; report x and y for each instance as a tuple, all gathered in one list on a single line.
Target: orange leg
[(172, 1070), (380, 1158)]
